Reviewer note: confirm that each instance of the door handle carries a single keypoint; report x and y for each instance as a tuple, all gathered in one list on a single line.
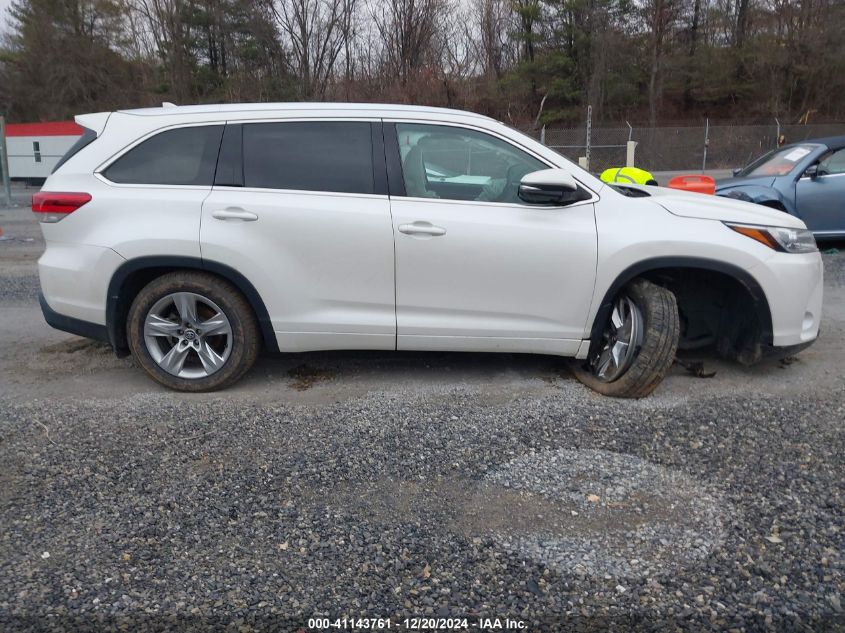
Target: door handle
[(422, 228), (234, 213)]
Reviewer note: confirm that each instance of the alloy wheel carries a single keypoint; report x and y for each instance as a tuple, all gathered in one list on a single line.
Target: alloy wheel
[(188, 335), (620, 341)]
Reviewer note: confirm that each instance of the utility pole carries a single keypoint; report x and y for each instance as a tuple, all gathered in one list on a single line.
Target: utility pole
[(4, 162), (589, 137)]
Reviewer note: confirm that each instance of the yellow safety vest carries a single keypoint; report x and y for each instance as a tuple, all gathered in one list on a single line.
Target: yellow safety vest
[(629, 175)]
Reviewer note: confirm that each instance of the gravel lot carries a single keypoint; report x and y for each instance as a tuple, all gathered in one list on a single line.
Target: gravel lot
[(400, 485)]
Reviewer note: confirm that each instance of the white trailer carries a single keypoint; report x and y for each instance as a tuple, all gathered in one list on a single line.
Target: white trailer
[(35, 148)]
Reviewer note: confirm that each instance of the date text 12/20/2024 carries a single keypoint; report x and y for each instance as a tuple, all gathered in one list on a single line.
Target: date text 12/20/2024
[(416, 624)]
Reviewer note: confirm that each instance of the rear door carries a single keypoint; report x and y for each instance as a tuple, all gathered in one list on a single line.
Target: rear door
[(821, 200), (300, 208)]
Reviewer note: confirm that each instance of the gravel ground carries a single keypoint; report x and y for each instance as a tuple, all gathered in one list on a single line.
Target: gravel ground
[(19, 289), (400, 485)]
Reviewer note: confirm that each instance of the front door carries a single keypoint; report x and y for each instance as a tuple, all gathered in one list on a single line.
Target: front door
[(304, 215), (476, 269), (821, 200)]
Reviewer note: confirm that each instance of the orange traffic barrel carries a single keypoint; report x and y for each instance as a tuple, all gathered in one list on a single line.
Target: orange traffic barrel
[(697, 183)]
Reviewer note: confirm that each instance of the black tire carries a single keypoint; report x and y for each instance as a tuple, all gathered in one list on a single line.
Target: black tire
[(656, 352), (245, 337)]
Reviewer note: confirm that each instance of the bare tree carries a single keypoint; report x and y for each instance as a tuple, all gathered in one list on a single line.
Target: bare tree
[(410, 32), (317, 32), (493, 21), (660, 15), (161, 30)]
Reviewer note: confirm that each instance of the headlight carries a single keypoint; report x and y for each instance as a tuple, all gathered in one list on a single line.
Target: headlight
[(779, 238)]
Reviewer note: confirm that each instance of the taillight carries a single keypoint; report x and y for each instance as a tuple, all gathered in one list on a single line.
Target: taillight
[(52, 206)]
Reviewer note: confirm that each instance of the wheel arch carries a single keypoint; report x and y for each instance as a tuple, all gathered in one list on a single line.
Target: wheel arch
[(134, 274), (654, 265)]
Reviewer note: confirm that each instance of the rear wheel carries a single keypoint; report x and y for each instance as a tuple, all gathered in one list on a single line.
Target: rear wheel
[(637, 345), (192, 331)]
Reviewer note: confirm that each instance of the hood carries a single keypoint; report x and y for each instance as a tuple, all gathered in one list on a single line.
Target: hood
[(706, 207), (760, 181)]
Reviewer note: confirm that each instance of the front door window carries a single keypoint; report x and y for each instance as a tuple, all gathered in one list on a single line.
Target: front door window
[(440, 161), (833, 164)]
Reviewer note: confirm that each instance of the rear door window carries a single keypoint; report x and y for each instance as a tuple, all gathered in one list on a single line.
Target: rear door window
[(182, 156), (332, 156)]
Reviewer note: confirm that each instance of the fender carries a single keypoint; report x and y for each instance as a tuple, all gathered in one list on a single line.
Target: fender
[(117, 307), (758, 195), (761, 304)]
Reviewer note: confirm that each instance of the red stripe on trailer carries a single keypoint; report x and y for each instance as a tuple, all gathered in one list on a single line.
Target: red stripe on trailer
[(47, 128)]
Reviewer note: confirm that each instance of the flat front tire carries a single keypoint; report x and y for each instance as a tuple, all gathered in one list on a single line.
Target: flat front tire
[(192, 331), (638, 343)]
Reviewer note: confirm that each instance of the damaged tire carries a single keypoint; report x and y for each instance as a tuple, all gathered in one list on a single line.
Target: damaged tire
[(637, 344)]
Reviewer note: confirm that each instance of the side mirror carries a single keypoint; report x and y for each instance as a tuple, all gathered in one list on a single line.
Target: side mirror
[(812, 171), (547, 186)]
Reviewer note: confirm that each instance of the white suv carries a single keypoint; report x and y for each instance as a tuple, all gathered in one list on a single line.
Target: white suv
[(195, 236)]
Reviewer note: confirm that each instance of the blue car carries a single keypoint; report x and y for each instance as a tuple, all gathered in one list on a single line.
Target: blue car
[(805, 179)]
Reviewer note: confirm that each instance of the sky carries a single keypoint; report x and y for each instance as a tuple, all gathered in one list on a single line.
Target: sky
[(4, 4)]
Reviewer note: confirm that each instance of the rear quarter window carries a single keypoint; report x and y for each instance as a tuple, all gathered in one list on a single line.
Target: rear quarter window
[(88, 137), (182, 156)]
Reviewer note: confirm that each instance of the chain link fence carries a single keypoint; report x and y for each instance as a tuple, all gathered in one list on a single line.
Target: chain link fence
[(680, 148)]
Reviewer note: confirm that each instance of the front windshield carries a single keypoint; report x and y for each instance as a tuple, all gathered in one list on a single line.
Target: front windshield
[(778, 162)]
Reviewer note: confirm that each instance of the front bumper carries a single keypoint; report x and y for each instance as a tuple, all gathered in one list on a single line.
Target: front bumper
[(793, 285), (771, 352)]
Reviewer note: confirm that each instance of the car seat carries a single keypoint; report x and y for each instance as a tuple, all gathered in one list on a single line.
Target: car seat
[(413, 169)]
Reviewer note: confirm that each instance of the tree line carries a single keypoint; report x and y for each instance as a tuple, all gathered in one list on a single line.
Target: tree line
[(527, 62)]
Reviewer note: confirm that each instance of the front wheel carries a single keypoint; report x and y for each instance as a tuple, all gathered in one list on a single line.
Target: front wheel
[(192, 331), (637, 344)]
